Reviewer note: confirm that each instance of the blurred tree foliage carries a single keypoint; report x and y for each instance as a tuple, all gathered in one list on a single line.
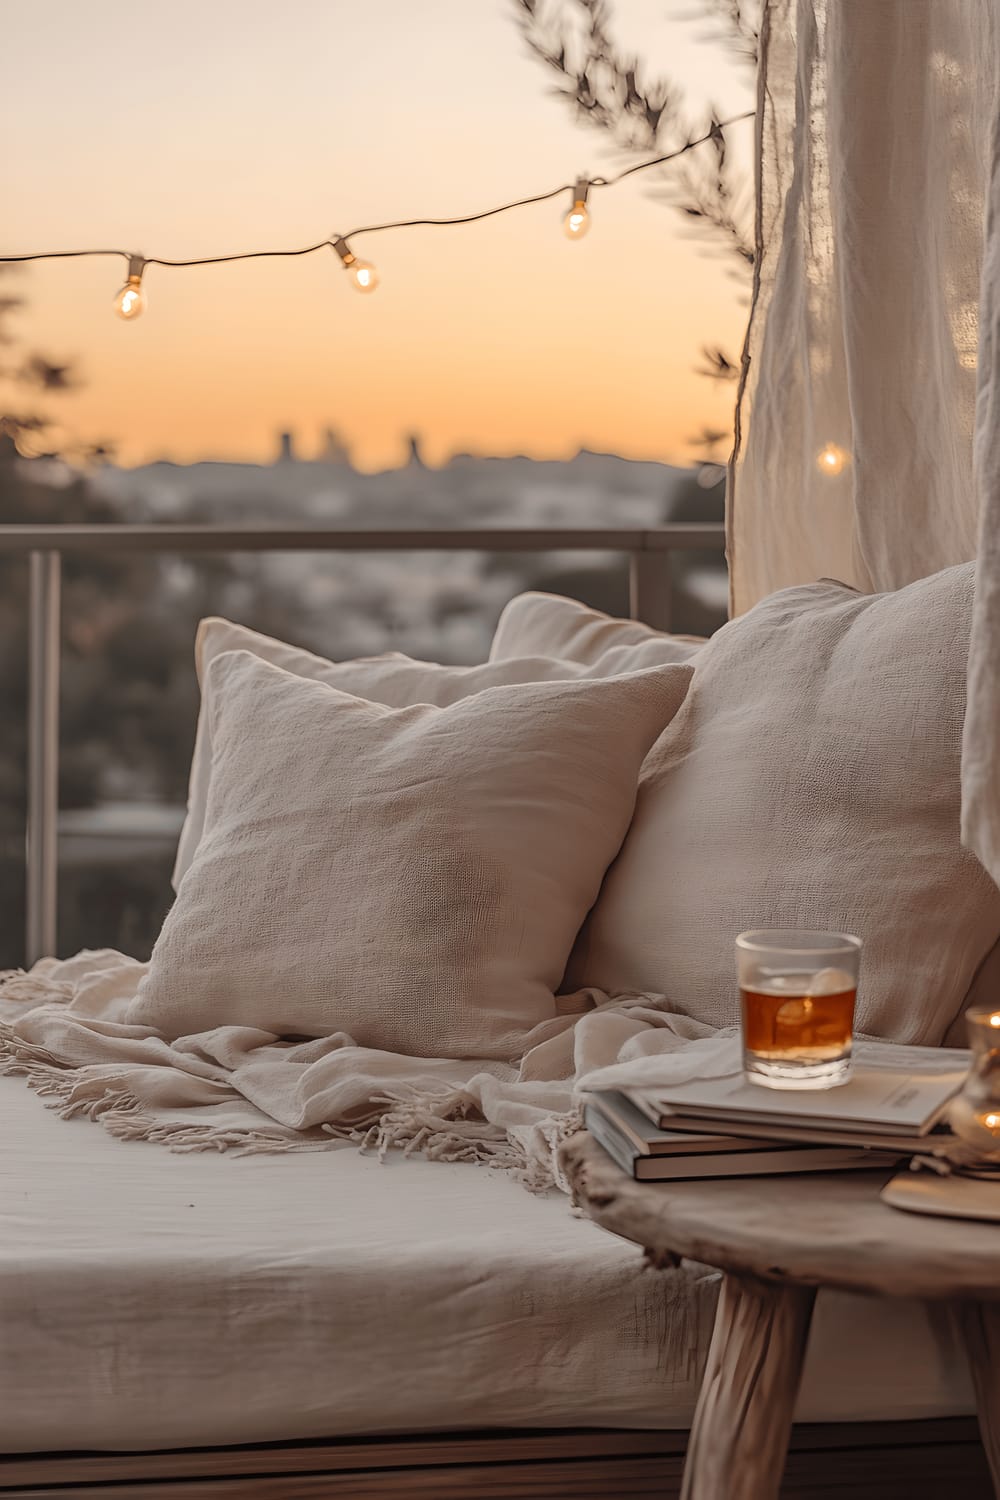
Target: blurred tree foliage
[(128, 696)]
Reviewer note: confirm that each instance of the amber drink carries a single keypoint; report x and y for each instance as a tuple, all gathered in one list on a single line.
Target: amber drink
[(797, 993)]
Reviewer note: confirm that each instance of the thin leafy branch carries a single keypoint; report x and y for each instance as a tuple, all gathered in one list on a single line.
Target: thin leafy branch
[(717, 365), (26, 376), (606, 87), (739, 26), (602, 84)]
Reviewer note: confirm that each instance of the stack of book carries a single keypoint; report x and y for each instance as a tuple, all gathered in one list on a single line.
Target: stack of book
[(894, 1106)]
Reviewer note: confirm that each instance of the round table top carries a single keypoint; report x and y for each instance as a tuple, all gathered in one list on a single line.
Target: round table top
[(812, 1229)]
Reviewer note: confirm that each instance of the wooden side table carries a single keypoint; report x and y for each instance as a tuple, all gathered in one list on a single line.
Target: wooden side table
[(778, 1239)]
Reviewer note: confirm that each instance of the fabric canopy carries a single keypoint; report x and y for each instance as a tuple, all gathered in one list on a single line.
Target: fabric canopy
[(864, 400)]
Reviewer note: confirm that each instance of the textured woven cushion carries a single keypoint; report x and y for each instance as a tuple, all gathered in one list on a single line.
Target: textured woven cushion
[(811, 780), (536, 624), (412, 877), (395, 680)]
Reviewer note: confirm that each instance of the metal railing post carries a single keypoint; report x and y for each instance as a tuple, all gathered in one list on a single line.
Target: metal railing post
[(649, 588), (41, 853)]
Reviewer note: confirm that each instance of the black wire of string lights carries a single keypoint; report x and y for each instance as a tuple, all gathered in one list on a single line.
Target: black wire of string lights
[(130, 300)]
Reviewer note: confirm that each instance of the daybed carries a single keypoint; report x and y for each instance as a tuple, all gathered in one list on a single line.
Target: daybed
[(330, 1324), (155, 1301)]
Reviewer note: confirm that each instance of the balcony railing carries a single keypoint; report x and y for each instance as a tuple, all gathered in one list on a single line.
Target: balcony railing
[(648, 552)]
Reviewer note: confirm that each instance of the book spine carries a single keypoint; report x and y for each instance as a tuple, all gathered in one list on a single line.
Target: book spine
[(604, 1133)]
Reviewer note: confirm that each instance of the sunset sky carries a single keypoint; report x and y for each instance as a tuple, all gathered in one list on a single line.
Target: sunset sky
[(197, 127)]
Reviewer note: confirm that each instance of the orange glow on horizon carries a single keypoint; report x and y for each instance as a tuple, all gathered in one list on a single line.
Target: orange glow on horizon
[(242, 126)]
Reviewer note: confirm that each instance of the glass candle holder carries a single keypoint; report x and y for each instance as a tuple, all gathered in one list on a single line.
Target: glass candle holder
[(975, 1111)]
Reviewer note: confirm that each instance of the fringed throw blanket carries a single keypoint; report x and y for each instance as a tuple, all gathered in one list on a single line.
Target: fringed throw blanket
[(62, 1027)]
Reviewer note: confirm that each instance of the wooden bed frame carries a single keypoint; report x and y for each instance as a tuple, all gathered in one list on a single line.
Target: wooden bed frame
[(939, 1459)]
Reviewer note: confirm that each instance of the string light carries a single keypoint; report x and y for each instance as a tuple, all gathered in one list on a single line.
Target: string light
[(130, 300), (577, 220), (363, 274), (832, 460)]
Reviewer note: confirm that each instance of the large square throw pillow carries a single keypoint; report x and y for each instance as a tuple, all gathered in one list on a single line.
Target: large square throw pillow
[(411, 877), (394, 680), (810, 780), (537, 624)]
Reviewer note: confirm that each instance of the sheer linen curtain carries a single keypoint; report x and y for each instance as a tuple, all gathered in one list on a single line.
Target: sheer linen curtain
[(981, 740), (859, 395), (868, 430)]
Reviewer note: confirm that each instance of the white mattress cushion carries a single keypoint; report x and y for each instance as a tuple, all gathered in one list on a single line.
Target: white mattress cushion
[(413, 878), (811, 780), (536, 624), (150, 1299)]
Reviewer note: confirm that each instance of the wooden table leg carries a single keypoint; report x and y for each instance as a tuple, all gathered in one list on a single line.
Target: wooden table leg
[(979, 1325), (743, 1419)]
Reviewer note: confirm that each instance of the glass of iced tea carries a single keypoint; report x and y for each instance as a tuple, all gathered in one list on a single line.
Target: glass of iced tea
[(797, 994)]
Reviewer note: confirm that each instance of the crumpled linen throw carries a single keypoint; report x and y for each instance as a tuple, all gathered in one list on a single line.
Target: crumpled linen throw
[(238, 1088)]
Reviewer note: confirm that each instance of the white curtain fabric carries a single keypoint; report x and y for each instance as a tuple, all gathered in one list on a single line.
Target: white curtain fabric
[(874, 136), (868, 431), (981, 743)]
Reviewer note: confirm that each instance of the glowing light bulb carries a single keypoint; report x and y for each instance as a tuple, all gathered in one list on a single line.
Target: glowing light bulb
[(130, 301), (577, 221), (364, 277), (832, 460)]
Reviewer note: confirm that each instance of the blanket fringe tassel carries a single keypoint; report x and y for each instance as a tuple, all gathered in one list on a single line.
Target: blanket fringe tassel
[(439, 1122), (122, 1115), (444, 1124)]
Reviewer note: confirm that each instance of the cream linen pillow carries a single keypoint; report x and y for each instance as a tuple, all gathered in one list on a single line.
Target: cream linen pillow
[(412, 877), (811, 780), (536, 624), (395, 680)]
